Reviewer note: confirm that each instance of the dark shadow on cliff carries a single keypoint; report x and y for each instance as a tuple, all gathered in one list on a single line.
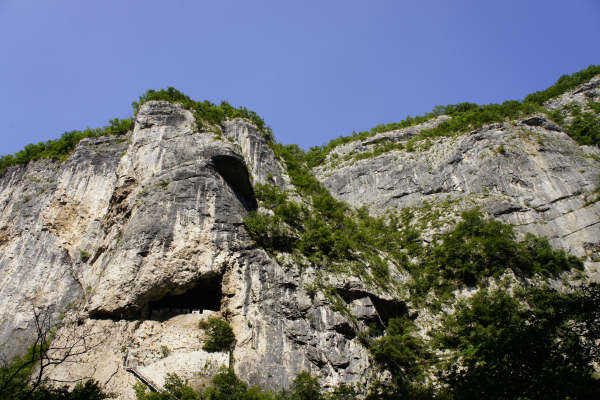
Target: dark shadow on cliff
[(235, 173), (205, 294)]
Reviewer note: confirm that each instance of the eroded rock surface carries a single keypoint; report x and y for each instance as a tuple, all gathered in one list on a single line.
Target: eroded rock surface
[(137, 238), (140, 232)]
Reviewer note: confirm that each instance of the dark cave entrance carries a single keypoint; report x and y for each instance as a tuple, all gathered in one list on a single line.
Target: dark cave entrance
[(204, 295), (235, 173), (386, 309)]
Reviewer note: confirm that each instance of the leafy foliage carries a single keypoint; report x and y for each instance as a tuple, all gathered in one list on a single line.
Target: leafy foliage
[(477, 248), (225, 385), (538, 346), (220, 334), (585, 128), (60, 149), (328, 232), (18, 387), (471, 116), (401, 350), (563, 84), (205, 112), (174, 389)]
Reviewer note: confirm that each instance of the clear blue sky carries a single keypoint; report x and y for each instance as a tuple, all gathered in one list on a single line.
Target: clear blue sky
[(314, 70)]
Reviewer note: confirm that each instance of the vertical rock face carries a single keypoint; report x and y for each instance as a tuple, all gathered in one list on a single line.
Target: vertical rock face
[(139, 237), (139, 232), (527, 173), (49, 214)]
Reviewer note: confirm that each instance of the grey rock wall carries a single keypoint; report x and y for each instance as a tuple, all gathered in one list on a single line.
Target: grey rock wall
[(132, 235), (527, 173), (158, 215)]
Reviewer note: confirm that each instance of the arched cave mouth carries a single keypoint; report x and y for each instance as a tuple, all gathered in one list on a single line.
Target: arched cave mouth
[(235, 173), (204, 295), (386, 309)]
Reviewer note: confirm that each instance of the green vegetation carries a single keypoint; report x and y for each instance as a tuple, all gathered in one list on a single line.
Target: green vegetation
[(60, 149), (84, 256), (401, 350), (538, 345), (585, 128), (220, 334), (317, 154), (469, 116), (205, 112), (226, 385), (477, 248), (174, 389), (15, 382), (331, 234), (563, 84), (465, 117)]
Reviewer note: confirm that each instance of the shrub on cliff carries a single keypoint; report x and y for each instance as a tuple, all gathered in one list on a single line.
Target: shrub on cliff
[(477, 248), (204, 111), (60, 149), (220, 335)]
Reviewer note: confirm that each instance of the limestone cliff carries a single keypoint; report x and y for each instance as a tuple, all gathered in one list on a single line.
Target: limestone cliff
[(131, 235)]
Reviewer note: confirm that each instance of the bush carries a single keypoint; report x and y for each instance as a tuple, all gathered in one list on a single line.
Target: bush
[(175, 388), (220, 334), (401, 350), (585, 129), (563, 84), (468, 116), (204, 111), (477, 248), (60, 149), (539, 345)]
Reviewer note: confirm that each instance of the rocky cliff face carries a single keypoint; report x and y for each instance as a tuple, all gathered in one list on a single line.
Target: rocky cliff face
[(527, 173), (132, 235), (137, 233)]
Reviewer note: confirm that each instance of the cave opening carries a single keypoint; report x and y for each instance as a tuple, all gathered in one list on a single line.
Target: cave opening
[(204, 295), (235, 174), (386, 309)]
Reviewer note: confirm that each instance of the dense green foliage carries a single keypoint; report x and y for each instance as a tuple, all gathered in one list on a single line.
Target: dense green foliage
[(14, 377), (90, 390), (331, 234), (469, 116), (174, 389), (60, 149), (328, 232), (401, 350), (316, 155), (563, 84), (585, 128), (15, 382), (539, 345), (205, 112), (477, 248), (220, 335), (226, 385)]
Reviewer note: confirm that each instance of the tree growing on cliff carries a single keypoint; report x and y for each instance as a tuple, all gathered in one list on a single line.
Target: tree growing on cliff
[(25, 377), (220, 335)]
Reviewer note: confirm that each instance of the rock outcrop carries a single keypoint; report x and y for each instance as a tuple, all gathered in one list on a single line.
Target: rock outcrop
[(140, 232), (137, 238)]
